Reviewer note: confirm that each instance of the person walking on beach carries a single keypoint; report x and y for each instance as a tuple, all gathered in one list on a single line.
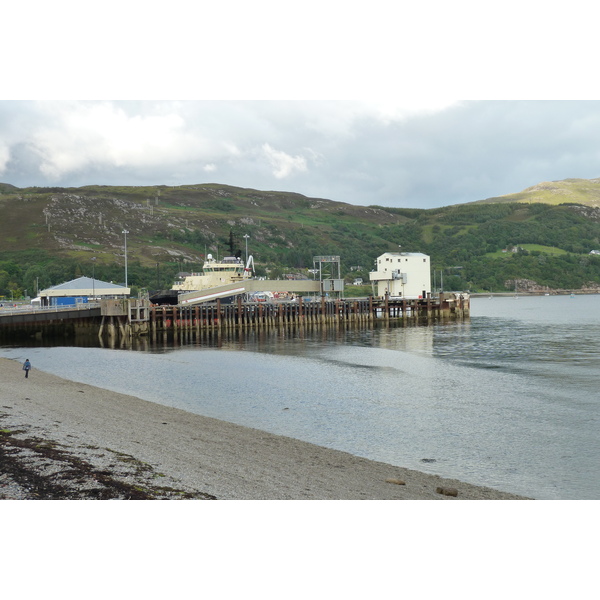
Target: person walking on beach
[(26, 367)]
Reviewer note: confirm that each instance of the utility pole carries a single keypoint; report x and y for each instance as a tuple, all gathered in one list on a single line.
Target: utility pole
[(246, 236), (125, 232), (94, 278)]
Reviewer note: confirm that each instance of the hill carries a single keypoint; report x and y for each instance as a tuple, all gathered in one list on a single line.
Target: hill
[(175, 223), (172, 228), (50, 235), (573, 191)]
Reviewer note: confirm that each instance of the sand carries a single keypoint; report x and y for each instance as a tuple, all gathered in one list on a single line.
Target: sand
[(163, 452)]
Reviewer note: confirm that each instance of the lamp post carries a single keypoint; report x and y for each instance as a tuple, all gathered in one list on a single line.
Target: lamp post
[(125, 232), (94, 278), (246, 236)]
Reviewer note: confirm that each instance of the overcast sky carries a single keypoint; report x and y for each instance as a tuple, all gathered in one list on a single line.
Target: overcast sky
[(419, 131)]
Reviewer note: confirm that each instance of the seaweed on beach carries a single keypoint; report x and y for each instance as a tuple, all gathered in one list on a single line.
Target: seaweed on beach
[(43, 470)]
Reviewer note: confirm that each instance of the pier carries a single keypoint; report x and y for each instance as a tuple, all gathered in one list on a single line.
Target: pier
[(324, 312), (116, 321)]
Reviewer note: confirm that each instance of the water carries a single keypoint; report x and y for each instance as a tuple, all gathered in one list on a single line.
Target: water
[(508, 399)]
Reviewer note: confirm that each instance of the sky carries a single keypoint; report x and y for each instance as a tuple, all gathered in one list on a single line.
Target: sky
[(416, 108), (358, 152)]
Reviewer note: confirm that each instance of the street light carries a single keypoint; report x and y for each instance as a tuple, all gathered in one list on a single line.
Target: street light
[(125, 232), (94, 278), (246, 236)]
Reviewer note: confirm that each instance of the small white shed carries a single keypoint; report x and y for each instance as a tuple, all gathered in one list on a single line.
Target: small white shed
[(403, 275)]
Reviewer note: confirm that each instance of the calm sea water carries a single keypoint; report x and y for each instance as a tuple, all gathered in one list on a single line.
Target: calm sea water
[(508, 399)]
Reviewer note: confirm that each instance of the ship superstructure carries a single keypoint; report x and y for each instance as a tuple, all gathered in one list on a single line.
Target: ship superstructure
[(229, 269)]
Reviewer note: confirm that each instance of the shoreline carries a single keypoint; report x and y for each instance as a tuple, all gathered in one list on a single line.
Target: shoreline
[(63, 439), (538, 293)]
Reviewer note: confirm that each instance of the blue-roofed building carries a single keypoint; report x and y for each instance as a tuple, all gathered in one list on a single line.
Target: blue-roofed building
[(81, 291)]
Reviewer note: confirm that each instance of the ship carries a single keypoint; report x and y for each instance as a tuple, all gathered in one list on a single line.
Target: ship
[(229, 269)]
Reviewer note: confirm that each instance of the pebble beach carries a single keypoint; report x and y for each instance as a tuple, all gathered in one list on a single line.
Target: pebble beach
[(66, 440)]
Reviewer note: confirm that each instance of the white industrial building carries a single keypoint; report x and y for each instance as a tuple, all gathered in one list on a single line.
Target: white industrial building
[(402, 275)]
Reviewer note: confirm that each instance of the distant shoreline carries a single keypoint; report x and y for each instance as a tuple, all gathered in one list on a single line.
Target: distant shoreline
[(511, 294)]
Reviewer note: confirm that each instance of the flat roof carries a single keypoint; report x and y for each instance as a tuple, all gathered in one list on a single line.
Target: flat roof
[(404, 254)]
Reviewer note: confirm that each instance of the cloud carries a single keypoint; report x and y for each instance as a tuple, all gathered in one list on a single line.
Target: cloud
[(391, 111), (79, 135), (284, 164), (4, 156)]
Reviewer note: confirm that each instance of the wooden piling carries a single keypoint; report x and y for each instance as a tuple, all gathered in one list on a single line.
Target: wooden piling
[(336, 313)]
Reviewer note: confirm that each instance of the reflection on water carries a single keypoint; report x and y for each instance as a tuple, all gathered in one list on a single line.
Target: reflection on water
[(507, 399)]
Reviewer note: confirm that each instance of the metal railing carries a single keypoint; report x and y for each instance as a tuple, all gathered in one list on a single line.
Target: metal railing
[(33, 308)]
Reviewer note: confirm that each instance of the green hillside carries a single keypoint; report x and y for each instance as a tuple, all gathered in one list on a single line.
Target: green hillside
[(576, 191), (50, 235)]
